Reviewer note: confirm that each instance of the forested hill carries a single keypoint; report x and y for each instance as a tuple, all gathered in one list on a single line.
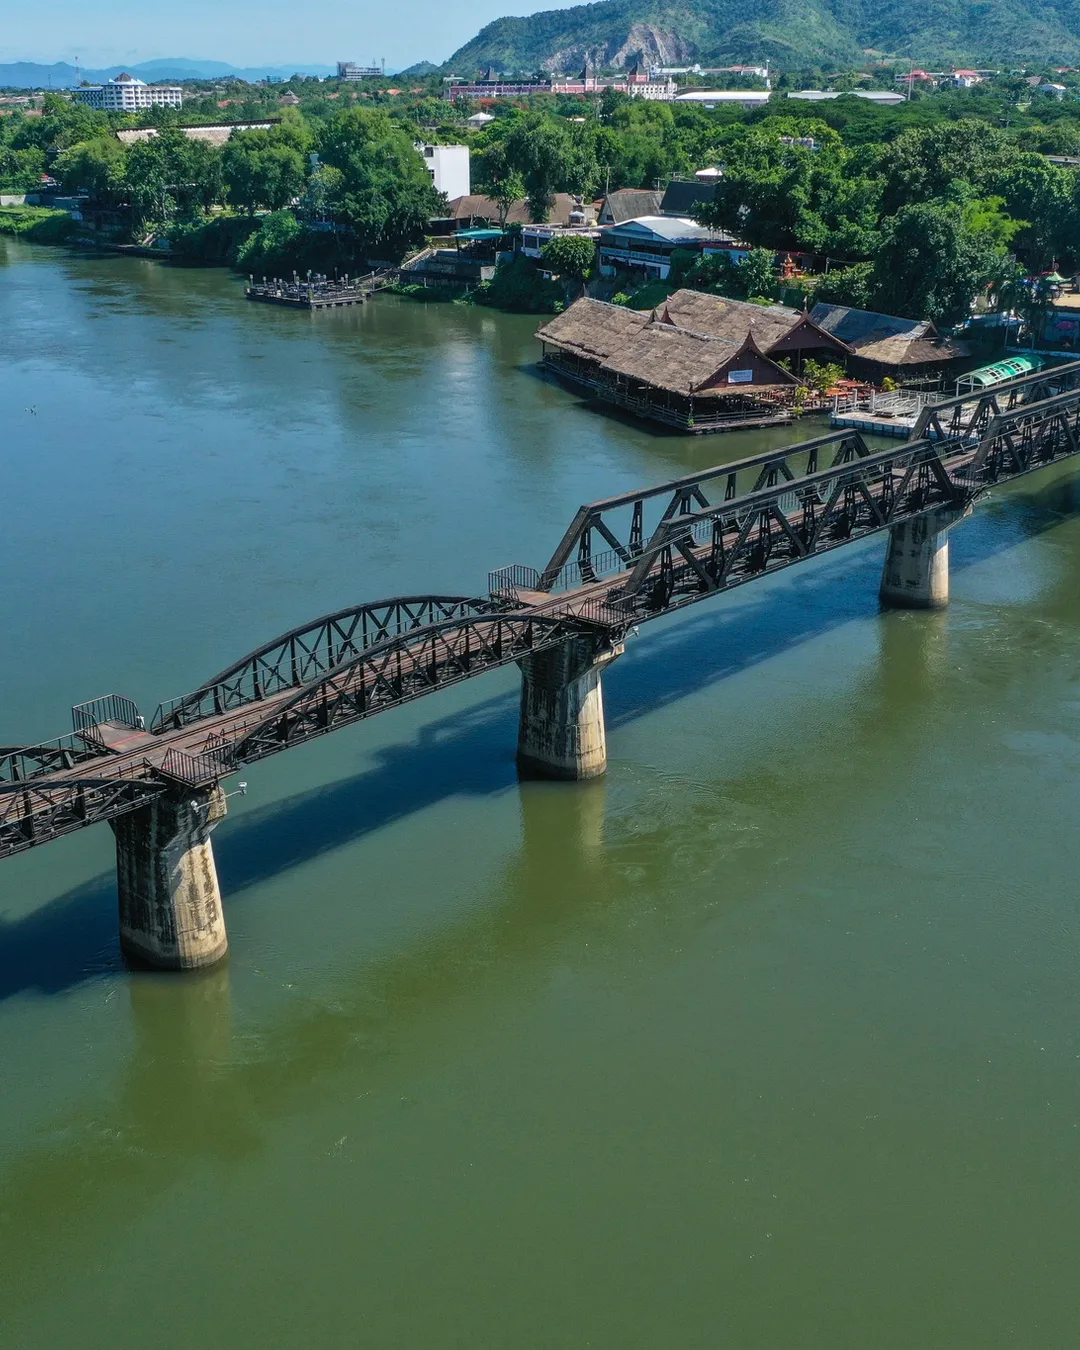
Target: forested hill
[(791, 33)]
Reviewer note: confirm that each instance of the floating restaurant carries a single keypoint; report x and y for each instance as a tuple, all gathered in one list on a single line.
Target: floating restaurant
[(703, 363)]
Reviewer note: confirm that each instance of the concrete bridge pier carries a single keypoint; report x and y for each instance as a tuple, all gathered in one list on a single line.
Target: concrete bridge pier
[(561, 733), (916, 574), (170, 902)]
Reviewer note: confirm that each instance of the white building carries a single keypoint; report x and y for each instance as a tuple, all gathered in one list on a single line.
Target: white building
[(534, 237), (448, 166), (349, 70), (125, 93), (716, 98), (479, 120), (646, 244), (656, 90)]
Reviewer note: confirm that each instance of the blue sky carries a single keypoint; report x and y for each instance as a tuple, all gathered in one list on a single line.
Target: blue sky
[(247, 32)]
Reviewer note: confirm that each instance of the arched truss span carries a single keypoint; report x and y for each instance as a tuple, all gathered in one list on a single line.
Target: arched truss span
[(408, 667), (294, 659)]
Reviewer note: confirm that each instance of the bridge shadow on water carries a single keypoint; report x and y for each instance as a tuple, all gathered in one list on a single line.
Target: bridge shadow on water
[(72, 938)]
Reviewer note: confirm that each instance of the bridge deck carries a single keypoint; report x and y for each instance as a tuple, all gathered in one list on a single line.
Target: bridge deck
[(778, 508)]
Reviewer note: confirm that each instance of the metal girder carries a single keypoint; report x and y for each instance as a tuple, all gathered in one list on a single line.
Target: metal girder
[(669, 546), (727, 545), (622, 526), (406, 668), (36, 812), (1027, 438), (968, 415), (295, 658), (21, 762)]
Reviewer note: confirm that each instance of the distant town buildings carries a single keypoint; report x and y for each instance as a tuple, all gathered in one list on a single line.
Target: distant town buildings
[(349, 70), (126, 93), (213, 133), (448, 166), (758, 72), (637, 82)]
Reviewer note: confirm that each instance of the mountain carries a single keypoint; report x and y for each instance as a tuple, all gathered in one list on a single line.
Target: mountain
[(790, 33), (61, 75)]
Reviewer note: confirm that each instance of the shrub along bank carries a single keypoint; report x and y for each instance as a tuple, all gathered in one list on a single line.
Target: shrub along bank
[(38, 224)]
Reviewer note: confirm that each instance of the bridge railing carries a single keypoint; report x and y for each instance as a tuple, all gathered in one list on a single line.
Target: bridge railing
[(35, 812), (87, 717), (200, 769), (505, 583), (18, 763)]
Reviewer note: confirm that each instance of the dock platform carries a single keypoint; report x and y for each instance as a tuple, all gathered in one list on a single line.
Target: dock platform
[(900, 426), (318, 292)]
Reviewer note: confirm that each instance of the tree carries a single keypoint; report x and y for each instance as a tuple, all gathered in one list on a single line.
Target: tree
[(757, 272), (96, 167), (170, 174), (274, 247), (546, 153), (262, 170), (781, 195), (498, 179), (21, 169), (1046, 197), (384, 191), (846, 286), (569, 255), (506, 192), (931, 263), (925, 162)]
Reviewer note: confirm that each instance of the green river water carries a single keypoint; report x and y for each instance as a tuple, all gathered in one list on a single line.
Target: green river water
[(767, 1040)]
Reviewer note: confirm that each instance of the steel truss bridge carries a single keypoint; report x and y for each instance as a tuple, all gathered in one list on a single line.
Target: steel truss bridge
[(622, 561)]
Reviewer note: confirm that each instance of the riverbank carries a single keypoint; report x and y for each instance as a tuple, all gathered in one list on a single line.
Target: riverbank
[(37, 224), (274, 246)]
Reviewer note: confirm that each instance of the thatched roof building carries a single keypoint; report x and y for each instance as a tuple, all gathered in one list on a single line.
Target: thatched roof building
[(706, 362), (703, 377), (687, 363), (717, 316), (592, 328), (884, 343)]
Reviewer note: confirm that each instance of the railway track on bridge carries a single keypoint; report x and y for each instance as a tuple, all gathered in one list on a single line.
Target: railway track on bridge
[(622, 561)]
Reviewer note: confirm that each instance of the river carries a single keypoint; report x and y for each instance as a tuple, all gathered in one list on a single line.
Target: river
[(769, 1039)]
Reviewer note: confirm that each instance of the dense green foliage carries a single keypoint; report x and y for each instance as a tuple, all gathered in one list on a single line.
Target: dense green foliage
[(752, 276), (915, 210), (920, 225), (518, 286), (36, 223), (789, 32), (570, 256), (380, 187)]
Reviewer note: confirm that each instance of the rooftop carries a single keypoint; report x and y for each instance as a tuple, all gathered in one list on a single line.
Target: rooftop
[(886, 338), (670, 228)]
